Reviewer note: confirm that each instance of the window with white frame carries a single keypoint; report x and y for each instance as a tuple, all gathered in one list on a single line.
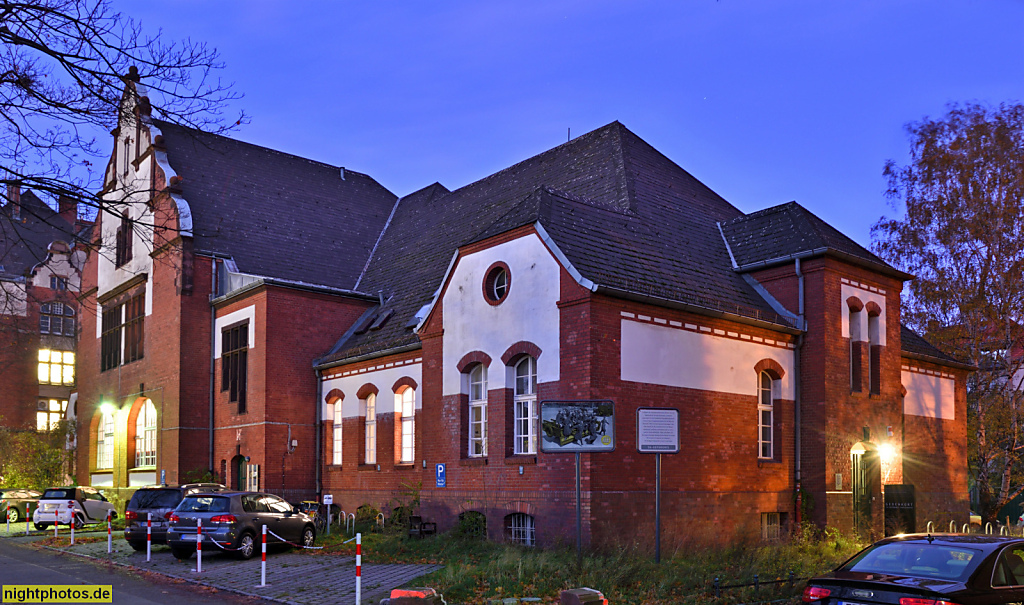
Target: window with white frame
[(519, 529), (525, 437), (405, 403), (370, 455), (57, 318), (105, 442), (336, 443), (145, 435), (478, 410), (771, 526), (49, 413), (765, 413), (56, 367)]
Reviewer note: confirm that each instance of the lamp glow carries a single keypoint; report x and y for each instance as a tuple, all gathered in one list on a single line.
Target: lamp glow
[(887, 452)]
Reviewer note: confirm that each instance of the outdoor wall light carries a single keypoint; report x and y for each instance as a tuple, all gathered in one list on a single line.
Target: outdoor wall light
[(886, 452), (107, 408)]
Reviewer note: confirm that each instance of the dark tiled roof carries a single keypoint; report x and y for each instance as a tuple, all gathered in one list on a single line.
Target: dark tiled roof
[(914, 344), (247, 200), (23, 244), (788, 229), (625, 216)]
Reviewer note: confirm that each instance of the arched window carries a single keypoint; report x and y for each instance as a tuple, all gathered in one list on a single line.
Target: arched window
[(875, 350), (57, 318), (525, 438), (145, 435), (336, 434), (519, 529), (478, 410), (370, 455), (765, 416), (856, 363), (405, 404), (105, 442)]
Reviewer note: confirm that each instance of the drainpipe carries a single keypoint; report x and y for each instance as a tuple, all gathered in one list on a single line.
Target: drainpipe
[(319, 429), (213, 356), (797, 391)]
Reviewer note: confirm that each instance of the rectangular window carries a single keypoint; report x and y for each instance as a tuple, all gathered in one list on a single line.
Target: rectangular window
[(56, 367), (874, 355), (855, 352), (478, 411), (105, 443), (519, 529), (110, 344), (234, 363), (58, 283), (123, 332), (49, 413), (765, 416), (525, 421), (406, 403), (771, 526), (56, 318), (123, 242), (134, 324), (336, 442)]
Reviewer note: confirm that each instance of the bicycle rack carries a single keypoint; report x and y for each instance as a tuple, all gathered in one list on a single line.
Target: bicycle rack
[(1003, 531), (952, 527), (966, 528), (352, 517), (988, 527), (930, 527), (380, 520)]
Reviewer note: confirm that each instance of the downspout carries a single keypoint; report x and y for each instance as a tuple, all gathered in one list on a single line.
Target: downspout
[(213, 353), (319, 429), (797, 391)]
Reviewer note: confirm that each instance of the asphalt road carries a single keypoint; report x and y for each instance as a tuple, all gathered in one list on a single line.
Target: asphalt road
[(24, 565)]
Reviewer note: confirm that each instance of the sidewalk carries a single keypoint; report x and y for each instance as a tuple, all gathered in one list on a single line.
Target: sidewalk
[(292, 577)]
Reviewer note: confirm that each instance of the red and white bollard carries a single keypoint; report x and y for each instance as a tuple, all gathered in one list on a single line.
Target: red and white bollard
[(263, 556), (110, 536), (9, 519), (359, 567), (149, 535), (28, 515), (71, 521), (199, 546)]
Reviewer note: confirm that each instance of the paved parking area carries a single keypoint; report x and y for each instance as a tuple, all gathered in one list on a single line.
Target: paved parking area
[(292, 577)]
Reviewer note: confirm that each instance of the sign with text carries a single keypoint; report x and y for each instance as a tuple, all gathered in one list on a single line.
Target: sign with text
[(577, 426), (328, 498), (657, 430), (442, 479)]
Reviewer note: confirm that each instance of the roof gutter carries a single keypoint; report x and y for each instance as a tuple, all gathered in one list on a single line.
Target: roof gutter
[(366, 356), (939, 361), (823, 251), (283, 283)]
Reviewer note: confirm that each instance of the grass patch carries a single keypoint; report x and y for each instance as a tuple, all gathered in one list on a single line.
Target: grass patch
[(476, 570)]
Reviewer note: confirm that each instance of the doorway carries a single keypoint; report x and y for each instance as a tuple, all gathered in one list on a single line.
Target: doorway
[(867, 479)]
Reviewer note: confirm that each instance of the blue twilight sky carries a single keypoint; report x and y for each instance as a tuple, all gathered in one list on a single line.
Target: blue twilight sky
[(763, 101)]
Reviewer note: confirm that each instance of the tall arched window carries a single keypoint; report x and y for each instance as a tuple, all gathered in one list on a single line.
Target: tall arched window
[(145, 435), (765, 414), (405, 404), (336, 441), (875, 349), (525, 438), (105, 442), (478, 410), (855, 307), (370, 456)]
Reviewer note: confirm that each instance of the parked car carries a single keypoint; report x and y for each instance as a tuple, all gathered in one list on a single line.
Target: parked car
[(160, 502), (919, 569), (233, 521), (86, 505), (14, 502)]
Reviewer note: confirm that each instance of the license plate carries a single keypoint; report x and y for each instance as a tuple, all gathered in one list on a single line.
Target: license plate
[(192, 538), (849, 603)]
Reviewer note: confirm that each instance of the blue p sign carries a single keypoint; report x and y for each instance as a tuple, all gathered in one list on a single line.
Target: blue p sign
[(441, 479)]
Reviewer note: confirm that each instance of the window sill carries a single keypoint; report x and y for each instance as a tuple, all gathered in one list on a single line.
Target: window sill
[(520, 459), (767, 461), (404, 466), (333, 467), (476, 461), (367, 467), (151, 467)]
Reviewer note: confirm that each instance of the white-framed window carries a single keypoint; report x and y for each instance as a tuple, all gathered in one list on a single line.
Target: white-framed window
[(57, 318), (765, 413), (336, 434), (105, 442), (370, 456), (49, 413), (405, 403), (145, 435), (56, 367), (519, 529), (478, 410), (525, 437)]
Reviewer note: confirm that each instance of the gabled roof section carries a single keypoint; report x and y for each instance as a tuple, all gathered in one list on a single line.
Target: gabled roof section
[(781, 232), (277, 215), (914, 345), (24, 243)]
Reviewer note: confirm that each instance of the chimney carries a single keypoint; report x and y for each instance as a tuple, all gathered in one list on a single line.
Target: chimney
[(14, 200), (68, 208)]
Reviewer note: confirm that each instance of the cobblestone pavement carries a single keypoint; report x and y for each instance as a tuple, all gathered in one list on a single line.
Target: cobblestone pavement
[(292, 577)]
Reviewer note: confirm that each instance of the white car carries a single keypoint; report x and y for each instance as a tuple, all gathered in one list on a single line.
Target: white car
[(63, 505)]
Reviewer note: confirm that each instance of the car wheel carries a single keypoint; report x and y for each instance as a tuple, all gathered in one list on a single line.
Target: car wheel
[(41, 526), (182, 553), (137, 546), (12, 515), (79, 522), (246, 546), (308, 536)]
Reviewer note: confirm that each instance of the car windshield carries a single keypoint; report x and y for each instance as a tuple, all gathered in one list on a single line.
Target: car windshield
[(155, 498), (943, 561), (204, 504), (59, 494)]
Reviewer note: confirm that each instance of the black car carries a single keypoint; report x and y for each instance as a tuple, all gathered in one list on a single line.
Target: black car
[(159, 502), (233, 521), (13, 503), (919, 569)]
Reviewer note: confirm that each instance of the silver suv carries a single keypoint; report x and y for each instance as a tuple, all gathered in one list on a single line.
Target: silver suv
[(65, 505)]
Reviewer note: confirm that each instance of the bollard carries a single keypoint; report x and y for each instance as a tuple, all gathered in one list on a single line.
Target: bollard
[(199, 546), (72, 524), (110, 536), (149, 535), (9, 519), (28, 509), (757, 583), (791, 577), (263, 559), (718, 591), (359, 567)]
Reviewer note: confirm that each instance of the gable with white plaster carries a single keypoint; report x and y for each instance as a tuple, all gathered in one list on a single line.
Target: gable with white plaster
[(383, 377), (866, 294)]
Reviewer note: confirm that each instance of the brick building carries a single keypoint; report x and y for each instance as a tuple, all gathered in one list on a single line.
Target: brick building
[(291, 326), (40, 275)]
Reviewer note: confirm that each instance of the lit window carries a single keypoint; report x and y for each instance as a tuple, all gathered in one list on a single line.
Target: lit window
[(57, 319), (478, 410), (145, 435), (519, 529), (405, 403), (49, 413), (56, 367), (105, 442), (337, 433), (370, 457), (765, 411), (526, 406)]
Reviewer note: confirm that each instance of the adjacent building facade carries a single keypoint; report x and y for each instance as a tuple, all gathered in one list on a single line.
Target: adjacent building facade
[(285, 325)]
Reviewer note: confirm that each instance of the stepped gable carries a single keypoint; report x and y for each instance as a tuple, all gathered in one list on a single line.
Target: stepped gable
[(788, 229), (24, 244), (277, 215), (628, 218)]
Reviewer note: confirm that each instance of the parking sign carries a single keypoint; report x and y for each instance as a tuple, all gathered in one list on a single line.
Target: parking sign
[(442, 480)]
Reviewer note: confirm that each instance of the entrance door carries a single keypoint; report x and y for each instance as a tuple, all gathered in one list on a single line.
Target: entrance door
[(238, 473), (867, 477)]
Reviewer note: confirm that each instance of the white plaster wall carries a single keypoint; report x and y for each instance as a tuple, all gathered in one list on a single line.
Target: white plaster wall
[(528, 313), (929, 396), (60, 265), (865, 297), (680, 358), (231, 318), (383, 379), (13, 300)]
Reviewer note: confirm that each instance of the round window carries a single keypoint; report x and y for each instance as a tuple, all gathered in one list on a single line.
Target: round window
[(496, 283)]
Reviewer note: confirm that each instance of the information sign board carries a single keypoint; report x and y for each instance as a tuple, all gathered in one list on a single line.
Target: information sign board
[(442, 479), (328, 499), (577, 426), (657, 430)]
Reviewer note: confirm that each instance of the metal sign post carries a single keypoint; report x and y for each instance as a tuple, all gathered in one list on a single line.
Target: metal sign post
[(657, 432), (582, 426)]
